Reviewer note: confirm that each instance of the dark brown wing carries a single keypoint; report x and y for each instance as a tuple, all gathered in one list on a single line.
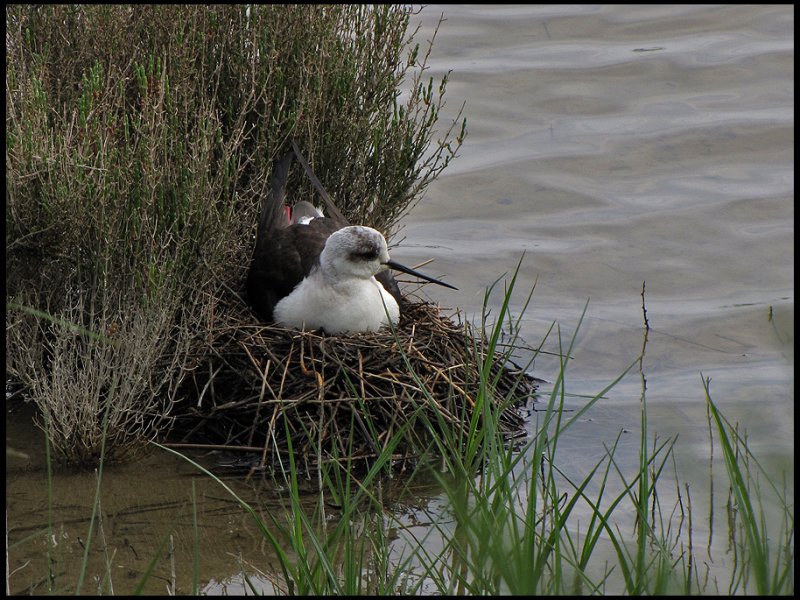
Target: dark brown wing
[(264, 285), (283, 257), (272, 214)]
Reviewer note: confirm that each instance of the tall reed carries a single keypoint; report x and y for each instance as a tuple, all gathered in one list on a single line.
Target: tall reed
[(518, 523), (516, 520)]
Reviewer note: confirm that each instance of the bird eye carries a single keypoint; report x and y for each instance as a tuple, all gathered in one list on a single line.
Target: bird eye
[(366, 255)]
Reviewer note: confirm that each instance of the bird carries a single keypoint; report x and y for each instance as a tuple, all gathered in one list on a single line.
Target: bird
[(312, 271)]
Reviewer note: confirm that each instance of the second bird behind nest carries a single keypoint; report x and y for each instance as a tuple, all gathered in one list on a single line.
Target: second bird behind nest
[(310, 271)]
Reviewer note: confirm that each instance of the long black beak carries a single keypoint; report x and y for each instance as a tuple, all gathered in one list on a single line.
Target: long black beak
[(398, 267)]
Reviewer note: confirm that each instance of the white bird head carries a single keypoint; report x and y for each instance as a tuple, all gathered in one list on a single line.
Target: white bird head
[(356, 251), (360, 252)]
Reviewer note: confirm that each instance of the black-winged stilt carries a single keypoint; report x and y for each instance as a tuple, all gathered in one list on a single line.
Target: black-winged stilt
[(313, 271)]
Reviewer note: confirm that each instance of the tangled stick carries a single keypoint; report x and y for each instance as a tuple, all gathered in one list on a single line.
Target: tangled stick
[(261, 390)]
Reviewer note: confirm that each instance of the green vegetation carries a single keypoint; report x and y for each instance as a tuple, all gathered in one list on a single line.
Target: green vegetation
[(513, 520), (516, 523), (139, 143)]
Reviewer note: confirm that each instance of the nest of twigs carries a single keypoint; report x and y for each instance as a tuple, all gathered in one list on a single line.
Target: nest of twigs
[(263, 390)]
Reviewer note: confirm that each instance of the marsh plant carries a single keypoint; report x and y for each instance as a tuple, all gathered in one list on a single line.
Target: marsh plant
[(515, 518), (139, 143), (508, 518)]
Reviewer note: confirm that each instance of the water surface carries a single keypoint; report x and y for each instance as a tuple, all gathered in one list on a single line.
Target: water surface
[(612, 146), (622, 145)]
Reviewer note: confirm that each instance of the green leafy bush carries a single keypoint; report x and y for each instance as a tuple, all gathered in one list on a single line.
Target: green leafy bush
[(140, 140)]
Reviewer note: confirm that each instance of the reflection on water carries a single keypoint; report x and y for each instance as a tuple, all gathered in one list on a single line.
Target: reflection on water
[(613, 145)]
